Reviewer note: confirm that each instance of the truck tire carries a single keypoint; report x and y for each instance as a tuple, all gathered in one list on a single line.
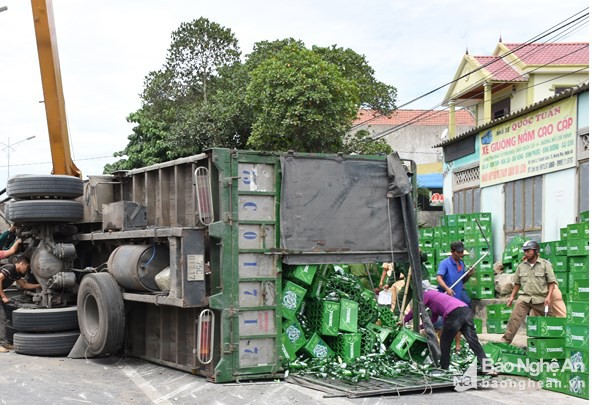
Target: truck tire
[(45, 211), (45, 344), (9, 332), (101, 314), (35, 186), (45, 320)]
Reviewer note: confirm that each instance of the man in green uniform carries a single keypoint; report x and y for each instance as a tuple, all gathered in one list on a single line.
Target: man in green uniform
[(536, 278)]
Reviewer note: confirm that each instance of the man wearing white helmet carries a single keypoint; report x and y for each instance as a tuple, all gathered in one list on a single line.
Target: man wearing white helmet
[(536, 278)]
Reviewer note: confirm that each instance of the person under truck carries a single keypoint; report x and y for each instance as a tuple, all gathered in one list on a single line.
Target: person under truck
[(14, 273), (536, 277)]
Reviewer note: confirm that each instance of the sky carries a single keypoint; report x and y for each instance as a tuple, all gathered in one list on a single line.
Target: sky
[(106, 48)]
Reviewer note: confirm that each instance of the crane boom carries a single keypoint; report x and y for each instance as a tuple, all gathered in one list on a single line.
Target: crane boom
[(52, 88)]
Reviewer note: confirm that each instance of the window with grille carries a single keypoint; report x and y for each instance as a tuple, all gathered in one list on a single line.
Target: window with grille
[(523, 208)]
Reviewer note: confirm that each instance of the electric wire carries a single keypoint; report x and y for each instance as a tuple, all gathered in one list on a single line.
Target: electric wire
[(579, 20)]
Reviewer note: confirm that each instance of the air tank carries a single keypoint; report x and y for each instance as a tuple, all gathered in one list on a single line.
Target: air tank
[(135, 266)]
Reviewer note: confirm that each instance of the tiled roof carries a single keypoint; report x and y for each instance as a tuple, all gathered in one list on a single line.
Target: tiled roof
[(571, 53), (415, 117), (499, 69), (547, 101)]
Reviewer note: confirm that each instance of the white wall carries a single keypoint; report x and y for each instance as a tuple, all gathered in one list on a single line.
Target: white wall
[(560, 190), (492, 200)]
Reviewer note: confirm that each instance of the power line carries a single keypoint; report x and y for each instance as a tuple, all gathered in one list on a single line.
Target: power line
[(432, 112), (534, 39), (50, 162)]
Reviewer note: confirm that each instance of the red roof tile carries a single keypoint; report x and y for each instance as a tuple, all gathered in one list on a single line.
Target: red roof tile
[(572, 53), (499, 69), (415, 117)]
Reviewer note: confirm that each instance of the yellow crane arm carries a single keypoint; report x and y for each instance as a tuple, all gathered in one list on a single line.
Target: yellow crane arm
[(52, 88)]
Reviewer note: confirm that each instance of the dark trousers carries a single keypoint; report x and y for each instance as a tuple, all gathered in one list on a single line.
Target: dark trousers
[(459, 320)]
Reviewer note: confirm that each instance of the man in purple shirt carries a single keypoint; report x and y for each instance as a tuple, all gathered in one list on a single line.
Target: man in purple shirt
[(457, 317)]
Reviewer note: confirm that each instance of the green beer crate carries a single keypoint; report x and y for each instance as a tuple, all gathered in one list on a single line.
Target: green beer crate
[(382, 333), (496, 325), (472, 227), (426, 243), (316, 347), (408, 342), (318, 287), (330, 318), (303, 273), (426, 233), (498, 312), (585, 216), (562, 279), (484, 292), (287, 348), (564, 233), (579, 287), (561, 247), (578, 247), (292, 298), (348, 346), (292, 329), (545, 327), (478, 325), (514, 364), (578, 313), (348, 315), (578, 231), (540, 348), (578, 264), (555, 381), (577, 337), (579, 359), (578, 385), (559, 263), (547, 249), (448, 220)]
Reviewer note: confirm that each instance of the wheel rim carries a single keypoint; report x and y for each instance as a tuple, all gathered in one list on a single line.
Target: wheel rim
[(91, 316)]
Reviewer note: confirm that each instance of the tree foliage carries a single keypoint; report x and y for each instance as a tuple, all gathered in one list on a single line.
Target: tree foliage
[(300, 102), (283, 96)]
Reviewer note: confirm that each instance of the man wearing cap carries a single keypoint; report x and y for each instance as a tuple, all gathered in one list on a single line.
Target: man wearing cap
[(452, 269), (536, 278)]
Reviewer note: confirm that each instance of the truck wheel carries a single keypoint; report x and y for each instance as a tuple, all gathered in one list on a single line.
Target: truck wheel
[(101, 314), (35, 186), (45, 210), (9, 332), (45, 344), (45, 320)]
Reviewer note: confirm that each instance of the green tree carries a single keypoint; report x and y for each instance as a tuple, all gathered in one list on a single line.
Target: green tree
[(179, 116), (361, 143), (373, 94), (300, 102)]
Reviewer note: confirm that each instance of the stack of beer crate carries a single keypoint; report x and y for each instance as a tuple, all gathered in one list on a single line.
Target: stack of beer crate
[(578, 307), (497, 317), (436, 243)]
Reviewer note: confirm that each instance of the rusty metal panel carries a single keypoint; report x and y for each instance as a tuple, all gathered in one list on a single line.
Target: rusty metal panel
[(256, 177)]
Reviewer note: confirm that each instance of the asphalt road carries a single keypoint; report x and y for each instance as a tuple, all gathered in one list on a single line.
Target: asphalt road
[(50, 380)]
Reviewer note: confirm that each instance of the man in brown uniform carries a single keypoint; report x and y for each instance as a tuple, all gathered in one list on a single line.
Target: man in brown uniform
[(536, 277)]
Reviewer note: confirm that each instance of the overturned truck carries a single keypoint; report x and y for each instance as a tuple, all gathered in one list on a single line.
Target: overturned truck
[(180, 263)]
